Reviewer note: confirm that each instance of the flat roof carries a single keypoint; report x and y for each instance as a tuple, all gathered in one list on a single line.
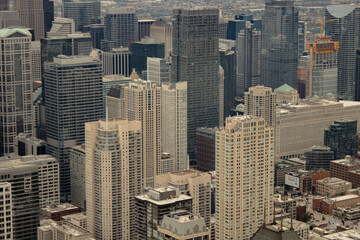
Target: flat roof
[(345, 197)]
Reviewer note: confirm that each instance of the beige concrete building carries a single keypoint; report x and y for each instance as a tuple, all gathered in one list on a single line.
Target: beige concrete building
[(113, 164), (78, 219), (332, 186), (161, 31), (141, 101), (194, 183), (182, 225), (286, 94), (77, 176), (174, 123), (301, 126), (52, 230), (260, 101), (286, 204), (244, 176)]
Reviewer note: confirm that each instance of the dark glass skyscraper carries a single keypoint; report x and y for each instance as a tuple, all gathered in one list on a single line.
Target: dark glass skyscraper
[(83, 12), (195, 60), (228, 62), (343, 26), (279, 44)]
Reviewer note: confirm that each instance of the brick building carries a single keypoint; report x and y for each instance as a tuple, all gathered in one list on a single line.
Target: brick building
[(327, 205)]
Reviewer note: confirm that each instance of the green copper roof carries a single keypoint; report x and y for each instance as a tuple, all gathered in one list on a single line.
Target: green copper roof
[(285, 88), (8, 31)]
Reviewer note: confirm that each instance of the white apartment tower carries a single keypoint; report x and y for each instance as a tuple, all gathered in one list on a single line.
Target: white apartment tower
[(174, 122), (260, 101), (244, 176), (113, 176)]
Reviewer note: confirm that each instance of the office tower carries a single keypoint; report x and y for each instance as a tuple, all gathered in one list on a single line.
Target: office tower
[(141, 101), (301, 81), (6, 215), (240, 23), (193, 183), (140, 51), (221, 95), (82, 12), (4, 5), (249, 161), (61, 27), (28, 145), (121, 28), (260, 101), (205, 149), (192, 227), (342, 24), (174, 122), (73, 97), (36, 61), (357, 75), (144, 28), (16, 87), (248, 60), (77, 176), (97, 34), (195, 60), (323, 67), (48, 172), (24, 181), (35, 14), (319, 157), (158, 70), (9, 19), (341, 137), (153, 206), (117, 62), (279, 57), (113, 165), (228, 63), (223, 25), (301, 38), (161, 31)]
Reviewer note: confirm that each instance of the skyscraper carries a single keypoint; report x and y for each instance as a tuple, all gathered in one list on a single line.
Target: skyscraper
[(83, 12), (260, 101), (36, 14), (4, 5), (158, 70), (195, 60), (73, 97), (113, 177), (342, 24), (62, 27), (117, 61), (144, 28), (279, 56), (121, 28), (16, 87), (228, 63), (244, 177), (248, 60), (161, 31)]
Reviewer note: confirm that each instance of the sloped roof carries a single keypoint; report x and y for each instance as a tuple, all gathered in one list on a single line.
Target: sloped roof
[(134, 75), (285, 88), (265, 233), (5, 32)]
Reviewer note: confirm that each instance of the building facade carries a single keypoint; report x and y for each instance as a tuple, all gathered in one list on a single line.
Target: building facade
[(6, 220), (319, 157), (158, 70), (77, 176), (117, 62), (205, 149), (82, 12), (161, 31), (228, 63)]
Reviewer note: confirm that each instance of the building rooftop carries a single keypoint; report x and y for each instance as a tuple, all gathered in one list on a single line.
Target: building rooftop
[(163, 196), (343, 198), (59, 208), (69, 60), (284, 88), (348, 161), (5, 32), (333, 181), (25, 160)]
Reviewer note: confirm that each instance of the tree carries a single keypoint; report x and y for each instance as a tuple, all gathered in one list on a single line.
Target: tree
[(305, 217)]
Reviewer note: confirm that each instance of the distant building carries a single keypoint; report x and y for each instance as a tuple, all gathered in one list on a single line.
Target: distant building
[(332, 186), (36, 61), (4, 5), (78, 219), (97, 34), (287, 204), (77, 176), (144, 28), (7, 213), (50, 229), (56, 212), (286, 94), (82, 12), (27, 145), (302, 28), (341, 168), (228, 63), (205, 149), (9, 19), (327, 205), (62, 27), (117, 62), (161, 31), (239, 23), (181, 225), (283, 167), (319, 157), (152, 207), (158, 70)]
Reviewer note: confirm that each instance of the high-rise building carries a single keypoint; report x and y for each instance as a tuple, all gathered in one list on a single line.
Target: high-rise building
[(144, 28), (228, 63), (301, 38), (97, 34), (62, 27), (141, 100), (36, 61), (244, 154), (9, 19), (158, 70), (323, 67), (342, 138), (140, 51), (319, 157), (248, 60), (357, 75), (35, 14), (4, 5), (82, 12), (279, 37), (205, 149), (73, 97), (16, 87), (24, 180), (260, 101), (342, 24), (240, 23), (113, 177), (117, 62), (193, 183), (121, 28), (221, 95), (161, 31), (174, 123), (153, 206), (77, 176), (6, 215), (195, 60)]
